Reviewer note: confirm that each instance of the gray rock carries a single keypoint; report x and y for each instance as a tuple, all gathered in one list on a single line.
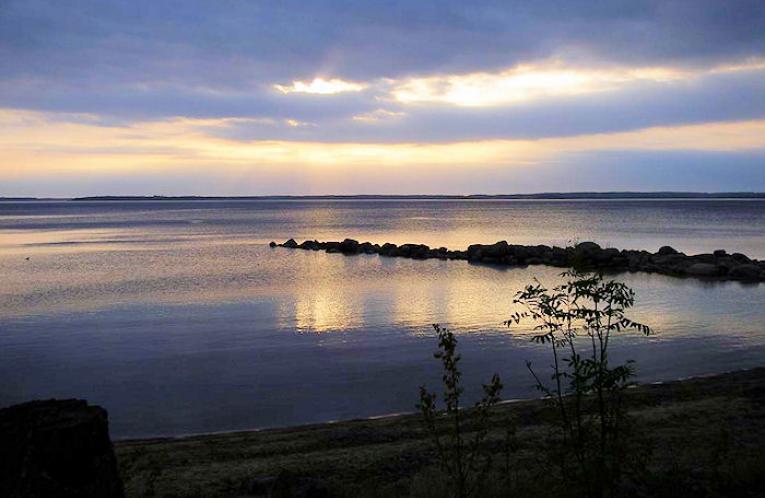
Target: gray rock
[(312, 245), (703, 258), (520, 253), (745, 272), (475, 251), (586, 250), (496, 250), (666, 251), (349, 246), (668, 259), (387, 248), (368, 248), (57, 449), (702, 270), (332, 247), (491, 260), (606, 255)]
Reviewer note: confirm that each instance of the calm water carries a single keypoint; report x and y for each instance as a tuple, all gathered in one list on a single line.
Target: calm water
[(178, 318)]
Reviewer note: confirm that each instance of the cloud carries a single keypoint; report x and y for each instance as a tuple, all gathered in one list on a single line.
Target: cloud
[(533, 82), (233, 43), (37, 146), (378, 115), (191, 82), (321, 86)]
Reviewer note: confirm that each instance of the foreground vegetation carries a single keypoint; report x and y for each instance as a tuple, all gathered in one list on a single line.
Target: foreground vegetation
[(705, 437), (590, 435)]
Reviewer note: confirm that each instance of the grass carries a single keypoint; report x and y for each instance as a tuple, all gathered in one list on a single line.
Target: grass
[(705, 437)]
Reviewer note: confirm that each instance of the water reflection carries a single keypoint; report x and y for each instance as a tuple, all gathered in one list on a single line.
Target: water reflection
[(183, 320)]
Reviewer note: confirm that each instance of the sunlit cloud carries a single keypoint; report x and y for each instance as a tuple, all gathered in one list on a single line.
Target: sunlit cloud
[(321, 86), (34, 144), (537, 81), (294, 123), (378, 115)]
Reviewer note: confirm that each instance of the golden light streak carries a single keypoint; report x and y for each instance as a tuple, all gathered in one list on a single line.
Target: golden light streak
[(536, 81), (36, 144)]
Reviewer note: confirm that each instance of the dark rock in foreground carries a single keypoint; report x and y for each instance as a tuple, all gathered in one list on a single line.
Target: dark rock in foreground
[(668, 261), (57, 449)]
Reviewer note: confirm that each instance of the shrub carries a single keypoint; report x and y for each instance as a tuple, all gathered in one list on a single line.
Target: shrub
[(577, 319), (461, 454)]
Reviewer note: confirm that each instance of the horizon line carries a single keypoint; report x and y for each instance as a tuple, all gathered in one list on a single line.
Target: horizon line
[(627, 194)]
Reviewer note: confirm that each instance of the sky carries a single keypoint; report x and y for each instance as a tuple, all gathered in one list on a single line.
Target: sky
[(243, 97)]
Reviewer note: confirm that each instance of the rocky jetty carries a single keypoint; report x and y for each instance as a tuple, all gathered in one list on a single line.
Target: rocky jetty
[(57, 449), (717, 265)]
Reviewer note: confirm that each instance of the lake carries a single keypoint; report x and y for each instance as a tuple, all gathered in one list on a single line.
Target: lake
[(178, 318)]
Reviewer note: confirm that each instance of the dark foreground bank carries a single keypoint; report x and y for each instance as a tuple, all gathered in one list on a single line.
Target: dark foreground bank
[(668, 261), (697, 437)]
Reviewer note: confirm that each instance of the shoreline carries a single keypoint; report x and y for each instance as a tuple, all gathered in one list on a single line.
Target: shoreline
[(383, 416), (358, 455)]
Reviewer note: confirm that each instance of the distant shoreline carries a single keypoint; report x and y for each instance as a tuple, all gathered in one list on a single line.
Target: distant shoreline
[(534, 196)]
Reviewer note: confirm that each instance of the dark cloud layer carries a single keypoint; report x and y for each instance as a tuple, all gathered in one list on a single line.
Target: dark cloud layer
[(235, 42)]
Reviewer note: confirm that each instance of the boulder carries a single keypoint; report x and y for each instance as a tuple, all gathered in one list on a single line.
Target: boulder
[(559, 256), (541, 251), (349, 246), (740, 258), (420, 251), (491, 260), (745, 272), (606, 255), (666, 251), (272, 244), (416, 251), (332, 247), (368, 248), (291, 244), (57, 449), (475, 251), (704, 258), (720, 253), (387, 248), (312, 245), (496, 250), (405, 250), (668, 259), (518, 252), (702, 270), (586, 249)]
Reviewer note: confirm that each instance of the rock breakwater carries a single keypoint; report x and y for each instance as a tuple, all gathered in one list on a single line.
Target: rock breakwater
[(717, 265)]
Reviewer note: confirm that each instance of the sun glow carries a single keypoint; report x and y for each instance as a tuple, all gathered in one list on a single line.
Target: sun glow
[(321, 86), (522, 83), (36, 145), (530, 82)]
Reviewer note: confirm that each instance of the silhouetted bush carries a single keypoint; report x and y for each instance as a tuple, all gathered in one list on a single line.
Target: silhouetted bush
[(577, 320), (461, 453)]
